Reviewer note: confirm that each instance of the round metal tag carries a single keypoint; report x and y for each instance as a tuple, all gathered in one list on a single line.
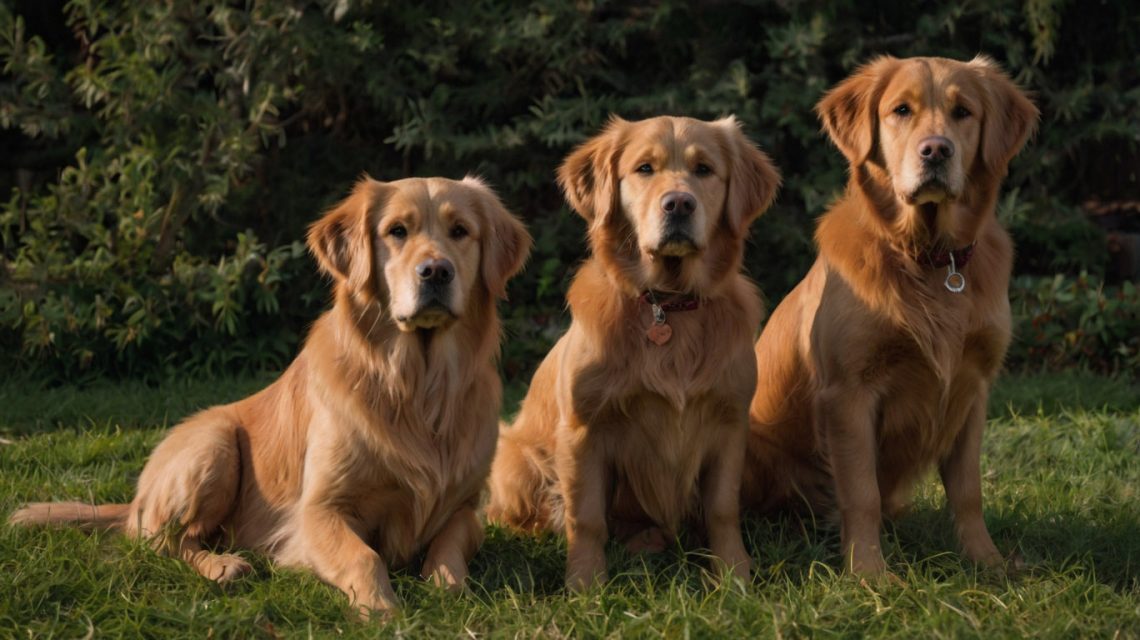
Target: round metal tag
[(955, 282)]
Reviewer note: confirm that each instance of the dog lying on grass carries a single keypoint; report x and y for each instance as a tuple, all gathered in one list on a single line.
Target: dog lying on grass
[(376, 441)]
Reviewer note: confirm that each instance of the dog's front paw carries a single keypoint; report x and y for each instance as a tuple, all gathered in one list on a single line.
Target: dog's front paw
[(378, 610), (447, 575), (739, 569), (222, 567), (865, 561), (581, 578), (1003, 566)]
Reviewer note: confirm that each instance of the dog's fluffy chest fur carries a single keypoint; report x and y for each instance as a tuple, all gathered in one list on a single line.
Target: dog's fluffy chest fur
[(659, 411), (657, 453), (399, 500), (408, 499), (923, 353)]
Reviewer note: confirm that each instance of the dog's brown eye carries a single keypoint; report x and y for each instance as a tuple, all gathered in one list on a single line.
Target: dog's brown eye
[(398, 231), (645, 169), (703, 170), (960, 112), (902, 110), (458, 231)]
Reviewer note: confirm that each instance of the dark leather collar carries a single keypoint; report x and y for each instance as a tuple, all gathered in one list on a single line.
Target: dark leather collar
[(667, 303), (941, 257)]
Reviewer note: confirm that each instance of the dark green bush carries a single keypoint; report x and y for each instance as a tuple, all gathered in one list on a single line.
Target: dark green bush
[(164, 158), (1061, 321)]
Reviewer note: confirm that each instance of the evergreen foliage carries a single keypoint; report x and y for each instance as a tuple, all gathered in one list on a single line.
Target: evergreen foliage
[(161, 160)]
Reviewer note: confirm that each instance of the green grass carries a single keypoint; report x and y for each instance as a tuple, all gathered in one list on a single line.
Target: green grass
[(1062, 475)]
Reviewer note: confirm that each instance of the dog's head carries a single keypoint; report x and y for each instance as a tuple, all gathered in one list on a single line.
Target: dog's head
[(425, 248), (937, 133), (669, 200)]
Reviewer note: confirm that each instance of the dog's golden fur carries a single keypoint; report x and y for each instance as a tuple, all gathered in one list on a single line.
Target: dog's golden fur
[(871, 371), (376, 441), (618, 434)]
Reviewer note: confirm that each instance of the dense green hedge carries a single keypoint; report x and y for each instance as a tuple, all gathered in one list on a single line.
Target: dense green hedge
[(1061, 322), (162, 159)]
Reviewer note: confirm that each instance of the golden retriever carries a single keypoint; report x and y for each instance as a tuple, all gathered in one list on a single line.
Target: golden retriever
[(878, 364), (637, 419), (376, 441)]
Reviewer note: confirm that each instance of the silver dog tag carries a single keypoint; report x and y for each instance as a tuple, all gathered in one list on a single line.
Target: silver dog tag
[(955, 281)]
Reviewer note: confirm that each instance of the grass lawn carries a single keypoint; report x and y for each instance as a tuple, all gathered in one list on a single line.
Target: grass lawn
[(1062, 487)]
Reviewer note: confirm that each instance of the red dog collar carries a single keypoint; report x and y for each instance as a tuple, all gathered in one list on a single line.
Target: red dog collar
[(942, 258), (684, 303)]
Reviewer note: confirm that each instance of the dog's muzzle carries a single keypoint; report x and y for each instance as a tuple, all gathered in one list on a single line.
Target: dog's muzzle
[(676, 239), (433, 308), (934, 153)]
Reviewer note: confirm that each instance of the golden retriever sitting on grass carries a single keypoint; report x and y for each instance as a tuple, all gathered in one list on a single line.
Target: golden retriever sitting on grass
[(878, 365), (636, 421)]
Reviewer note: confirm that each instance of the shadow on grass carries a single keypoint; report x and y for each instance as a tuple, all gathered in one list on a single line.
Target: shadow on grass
[(1105, 546), (519, 563), (28, 406), (790, 548)]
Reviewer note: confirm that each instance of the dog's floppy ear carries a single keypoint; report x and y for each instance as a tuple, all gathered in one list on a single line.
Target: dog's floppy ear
[(588, 176), (1009, 118), (342, 239), (506, 242), (848, 111), (752, 178)]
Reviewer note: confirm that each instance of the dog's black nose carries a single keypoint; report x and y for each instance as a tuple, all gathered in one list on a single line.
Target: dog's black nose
[(436, 270), (678, 202), (935, 149)]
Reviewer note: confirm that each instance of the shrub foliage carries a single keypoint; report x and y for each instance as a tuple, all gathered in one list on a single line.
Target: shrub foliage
[(1063, 321), (161, 160)]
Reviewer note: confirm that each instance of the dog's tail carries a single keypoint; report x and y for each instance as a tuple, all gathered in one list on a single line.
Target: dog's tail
[(89, 517)]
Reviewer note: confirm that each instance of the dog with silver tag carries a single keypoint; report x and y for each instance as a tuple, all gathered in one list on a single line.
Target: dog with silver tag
[(878, 365)]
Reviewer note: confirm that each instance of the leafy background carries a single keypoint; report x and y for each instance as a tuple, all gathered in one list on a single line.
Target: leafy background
[(161, 160)]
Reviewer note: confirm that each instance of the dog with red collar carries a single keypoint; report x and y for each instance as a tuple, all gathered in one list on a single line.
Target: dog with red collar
[(634, 424)]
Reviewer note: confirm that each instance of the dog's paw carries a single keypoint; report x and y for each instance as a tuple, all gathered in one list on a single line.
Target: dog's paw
[(882, 580), (1005, 567), (869, 563), (451, 578), (379, 612), (579, 581), (226, 567)]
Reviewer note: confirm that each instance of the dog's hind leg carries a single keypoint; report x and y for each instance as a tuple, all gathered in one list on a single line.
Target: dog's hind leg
[(188, 489), (520, 488)]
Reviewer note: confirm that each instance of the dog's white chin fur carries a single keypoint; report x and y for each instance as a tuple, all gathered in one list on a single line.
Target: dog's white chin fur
[(928, 195), (673, 250), (428, 319)]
